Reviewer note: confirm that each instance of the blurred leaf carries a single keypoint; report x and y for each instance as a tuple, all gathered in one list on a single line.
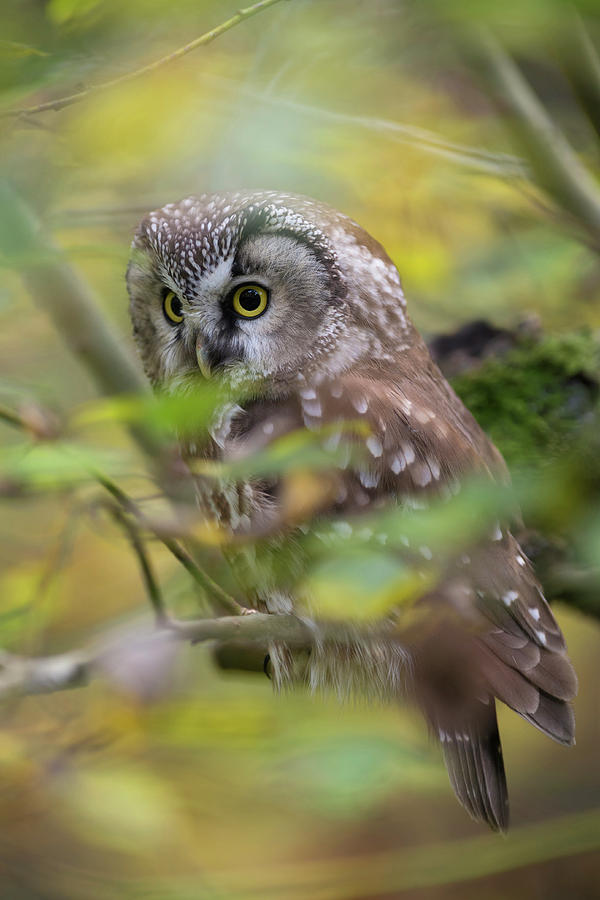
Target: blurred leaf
[(59, 465), (189, 414), (362, 587)]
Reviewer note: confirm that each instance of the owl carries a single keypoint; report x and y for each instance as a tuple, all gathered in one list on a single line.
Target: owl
[(298, 303)]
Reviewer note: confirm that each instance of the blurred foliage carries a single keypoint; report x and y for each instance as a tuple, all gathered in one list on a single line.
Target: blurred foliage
[(216, 788)]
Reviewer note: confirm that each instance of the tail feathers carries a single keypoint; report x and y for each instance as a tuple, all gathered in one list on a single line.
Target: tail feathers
[(473, 757)]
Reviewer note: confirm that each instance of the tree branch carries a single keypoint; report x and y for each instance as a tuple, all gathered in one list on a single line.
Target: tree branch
[(60, 291), (553, 160), (21, 676), (201, 41)]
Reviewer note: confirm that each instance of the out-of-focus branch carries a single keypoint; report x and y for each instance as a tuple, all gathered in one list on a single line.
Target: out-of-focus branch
[(21, 675), (56, 287), (201, 41), (554, 163)]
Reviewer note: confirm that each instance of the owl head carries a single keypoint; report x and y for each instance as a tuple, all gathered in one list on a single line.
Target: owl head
[(260, 286)]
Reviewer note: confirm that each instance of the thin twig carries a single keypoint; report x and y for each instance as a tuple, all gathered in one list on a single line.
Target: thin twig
[(152, 587), (201, 41), (198, 574)]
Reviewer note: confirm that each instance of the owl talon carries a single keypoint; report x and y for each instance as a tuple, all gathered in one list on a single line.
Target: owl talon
[(248, 611)]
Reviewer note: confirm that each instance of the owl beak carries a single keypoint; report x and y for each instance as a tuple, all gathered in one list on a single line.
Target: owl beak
[(202, 357)]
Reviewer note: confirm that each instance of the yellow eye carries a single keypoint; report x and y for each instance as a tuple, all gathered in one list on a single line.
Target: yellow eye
[(172, 308), (250, 300)]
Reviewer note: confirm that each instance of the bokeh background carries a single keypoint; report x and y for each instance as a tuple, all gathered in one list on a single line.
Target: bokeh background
[(214, 787)]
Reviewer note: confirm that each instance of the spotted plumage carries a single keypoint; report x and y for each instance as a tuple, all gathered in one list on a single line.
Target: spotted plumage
[(335, 346)]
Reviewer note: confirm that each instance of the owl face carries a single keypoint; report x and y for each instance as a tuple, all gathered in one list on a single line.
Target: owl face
[(262, 287)]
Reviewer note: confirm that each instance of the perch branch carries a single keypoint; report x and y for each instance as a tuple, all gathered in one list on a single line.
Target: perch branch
[(21, 675), (201, 41)]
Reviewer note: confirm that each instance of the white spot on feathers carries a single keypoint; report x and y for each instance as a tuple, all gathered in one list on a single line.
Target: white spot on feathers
[(397, 464), (408, 451), (374, 446), (343, 529), (421, 474), (360, 404), (312, 408)]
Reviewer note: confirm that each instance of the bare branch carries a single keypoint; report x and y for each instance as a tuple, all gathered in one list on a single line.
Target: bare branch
[(554, 162), (201, 41), (60, 291)]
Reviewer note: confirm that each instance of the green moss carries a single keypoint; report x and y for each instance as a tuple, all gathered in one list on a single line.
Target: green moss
[(534, 401)]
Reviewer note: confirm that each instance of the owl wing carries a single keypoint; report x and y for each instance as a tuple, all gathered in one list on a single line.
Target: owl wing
[(495, 636)]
